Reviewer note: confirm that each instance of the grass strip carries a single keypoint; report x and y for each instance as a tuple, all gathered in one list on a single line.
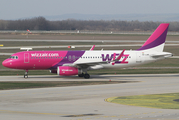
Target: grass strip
[(43, 84), (163, 101)]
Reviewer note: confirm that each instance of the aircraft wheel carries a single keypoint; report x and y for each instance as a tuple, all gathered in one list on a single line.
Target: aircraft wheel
[(25, 76), (86, 76)]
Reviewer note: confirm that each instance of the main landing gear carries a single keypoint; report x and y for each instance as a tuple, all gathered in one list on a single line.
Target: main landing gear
[(86, 75), (26, 74)]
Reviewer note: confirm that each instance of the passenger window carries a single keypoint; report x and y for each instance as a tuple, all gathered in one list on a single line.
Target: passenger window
[(74, 58), (69, 57)]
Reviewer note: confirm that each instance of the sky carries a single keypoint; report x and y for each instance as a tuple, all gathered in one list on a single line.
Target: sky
[(18, 9)]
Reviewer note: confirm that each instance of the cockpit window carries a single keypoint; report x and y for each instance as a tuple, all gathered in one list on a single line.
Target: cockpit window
[(13, 57)]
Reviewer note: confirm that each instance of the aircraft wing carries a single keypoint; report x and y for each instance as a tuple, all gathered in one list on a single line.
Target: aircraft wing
[(86, 65), (89, 64)]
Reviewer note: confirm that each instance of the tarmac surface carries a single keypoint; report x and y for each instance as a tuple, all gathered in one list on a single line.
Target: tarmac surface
[(87, 102), (76, 46)]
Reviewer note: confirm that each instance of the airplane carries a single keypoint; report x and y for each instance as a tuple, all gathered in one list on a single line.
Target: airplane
[(67, 63)]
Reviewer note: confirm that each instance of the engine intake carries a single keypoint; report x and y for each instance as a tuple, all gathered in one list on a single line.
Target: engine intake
[(68, 71)]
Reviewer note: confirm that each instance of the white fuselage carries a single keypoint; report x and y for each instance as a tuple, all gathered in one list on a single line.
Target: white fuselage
[(130, 58)]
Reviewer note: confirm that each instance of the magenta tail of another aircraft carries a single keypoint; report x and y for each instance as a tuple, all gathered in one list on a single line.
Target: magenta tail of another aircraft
[(157, 40)]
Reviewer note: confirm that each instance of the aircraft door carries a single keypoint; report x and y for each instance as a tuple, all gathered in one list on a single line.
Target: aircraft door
[(26, 57)]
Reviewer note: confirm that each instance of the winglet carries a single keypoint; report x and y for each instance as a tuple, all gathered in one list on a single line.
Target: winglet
[(92, 48)]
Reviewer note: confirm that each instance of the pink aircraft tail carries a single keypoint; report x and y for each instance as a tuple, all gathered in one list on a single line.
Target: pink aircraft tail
[(156, 41)]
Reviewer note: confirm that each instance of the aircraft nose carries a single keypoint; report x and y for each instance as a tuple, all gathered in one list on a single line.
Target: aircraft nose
[(6, 63)]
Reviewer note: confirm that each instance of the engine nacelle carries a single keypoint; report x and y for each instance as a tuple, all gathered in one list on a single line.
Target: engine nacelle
[(68, 70)]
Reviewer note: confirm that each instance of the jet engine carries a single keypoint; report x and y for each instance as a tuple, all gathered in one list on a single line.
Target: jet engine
[(68, 71)]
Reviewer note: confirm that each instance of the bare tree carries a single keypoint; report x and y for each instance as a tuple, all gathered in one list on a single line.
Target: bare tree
[(40, 23)]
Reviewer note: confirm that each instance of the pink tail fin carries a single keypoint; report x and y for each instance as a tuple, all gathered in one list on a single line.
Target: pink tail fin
[(157, 40)]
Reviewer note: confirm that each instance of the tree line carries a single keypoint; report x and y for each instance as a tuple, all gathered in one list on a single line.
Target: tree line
[(40, 23)]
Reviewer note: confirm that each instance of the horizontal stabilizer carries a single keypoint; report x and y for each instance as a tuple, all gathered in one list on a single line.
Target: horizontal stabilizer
[(164, 54)]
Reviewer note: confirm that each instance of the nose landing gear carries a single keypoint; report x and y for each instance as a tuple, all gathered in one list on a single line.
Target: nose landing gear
[(26, 74)]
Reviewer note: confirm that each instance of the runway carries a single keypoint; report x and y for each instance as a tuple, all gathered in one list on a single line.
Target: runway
[(86, 102)]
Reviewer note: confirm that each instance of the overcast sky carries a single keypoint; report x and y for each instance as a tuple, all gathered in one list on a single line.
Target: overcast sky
[(16, 9)]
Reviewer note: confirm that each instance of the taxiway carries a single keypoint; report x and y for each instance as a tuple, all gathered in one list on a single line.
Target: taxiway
[(86, 102)]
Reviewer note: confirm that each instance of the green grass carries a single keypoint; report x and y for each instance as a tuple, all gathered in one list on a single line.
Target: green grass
[(21, 72), (21, 85), (164, 101), (42, 84)]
